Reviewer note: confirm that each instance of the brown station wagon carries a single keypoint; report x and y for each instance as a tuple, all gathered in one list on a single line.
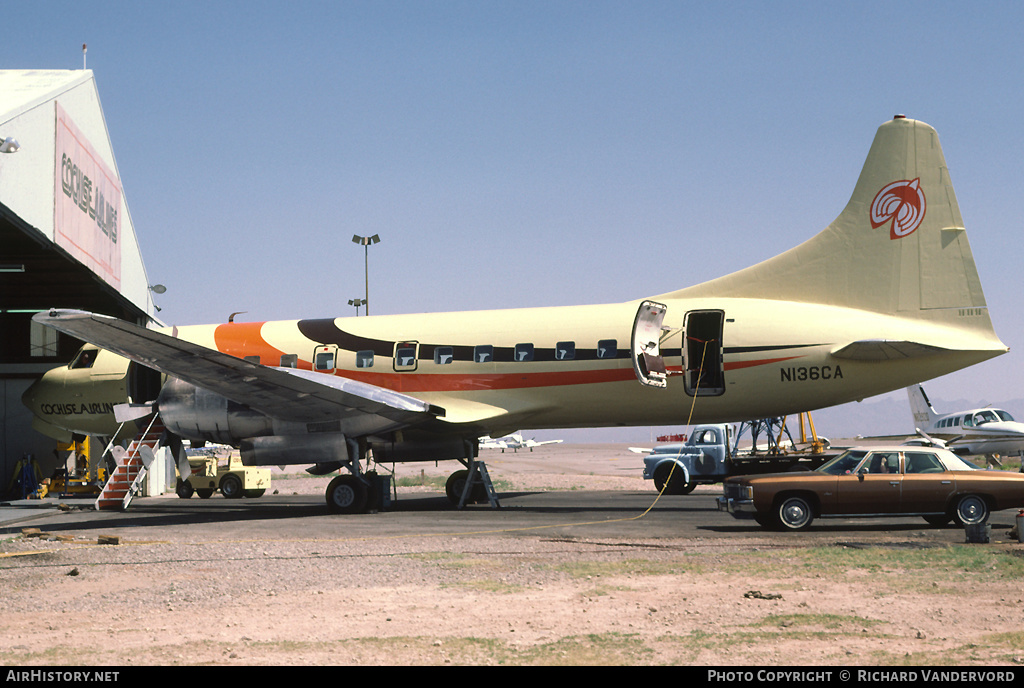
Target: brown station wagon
[(876, 481)]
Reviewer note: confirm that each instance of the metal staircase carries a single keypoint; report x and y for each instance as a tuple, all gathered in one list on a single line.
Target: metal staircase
[(125, 480)]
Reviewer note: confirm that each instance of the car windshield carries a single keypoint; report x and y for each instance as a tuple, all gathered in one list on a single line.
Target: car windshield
[(844, 463)]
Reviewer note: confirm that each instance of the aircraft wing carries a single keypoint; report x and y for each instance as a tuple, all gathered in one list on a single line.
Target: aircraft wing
[(284, 393)]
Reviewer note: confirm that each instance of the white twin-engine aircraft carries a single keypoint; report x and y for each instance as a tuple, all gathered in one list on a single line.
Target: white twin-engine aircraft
[(986, 431), (886, 296)]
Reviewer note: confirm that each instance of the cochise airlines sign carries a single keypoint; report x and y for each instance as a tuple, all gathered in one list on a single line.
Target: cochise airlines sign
[(87, 203)]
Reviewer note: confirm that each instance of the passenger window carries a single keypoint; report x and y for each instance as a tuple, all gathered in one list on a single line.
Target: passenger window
[(289, 360), (565, 351), (524, 352), (607, 348), (923, 462), (443, 355), (883, 462), (483, 353), (364, 359)]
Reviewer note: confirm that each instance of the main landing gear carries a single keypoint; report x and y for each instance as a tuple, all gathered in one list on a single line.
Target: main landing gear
[(359, 492)]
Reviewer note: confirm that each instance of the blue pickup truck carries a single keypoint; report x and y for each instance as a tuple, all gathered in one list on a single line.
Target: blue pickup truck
[(710, 455)]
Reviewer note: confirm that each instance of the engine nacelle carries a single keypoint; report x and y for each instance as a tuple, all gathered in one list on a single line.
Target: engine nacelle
[(198, 414), (319, 448)]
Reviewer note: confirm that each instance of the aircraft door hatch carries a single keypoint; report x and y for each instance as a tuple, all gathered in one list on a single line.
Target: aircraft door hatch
[(648, 363), (702, 353), (325, 358), (406, 355)]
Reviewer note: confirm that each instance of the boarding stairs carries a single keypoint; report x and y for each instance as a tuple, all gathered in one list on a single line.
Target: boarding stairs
[(125, 481)]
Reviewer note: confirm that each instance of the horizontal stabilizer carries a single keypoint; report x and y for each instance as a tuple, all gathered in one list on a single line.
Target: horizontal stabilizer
[(885, 350)]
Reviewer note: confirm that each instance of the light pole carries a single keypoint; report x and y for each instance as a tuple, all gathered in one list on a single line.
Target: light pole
[(357, 303), (366, 241)]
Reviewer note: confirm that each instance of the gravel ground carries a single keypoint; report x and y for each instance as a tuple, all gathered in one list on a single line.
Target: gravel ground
[(506, 598)]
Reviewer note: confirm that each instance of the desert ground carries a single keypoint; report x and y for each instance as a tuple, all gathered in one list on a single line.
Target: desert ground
[(245, 596)]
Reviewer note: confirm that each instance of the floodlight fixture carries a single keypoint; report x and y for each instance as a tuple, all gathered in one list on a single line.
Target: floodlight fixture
[(365, 242), (357, 303)]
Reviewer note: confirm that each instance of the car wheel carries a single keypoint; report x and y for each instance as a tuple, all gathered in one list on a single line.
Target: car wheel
[(676, 484), (971, 510), (794, 513), (231, 486)]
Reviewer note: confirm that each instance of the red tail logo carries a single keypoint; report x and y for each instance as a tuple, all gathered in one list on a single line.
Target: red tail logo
[(903, 204)]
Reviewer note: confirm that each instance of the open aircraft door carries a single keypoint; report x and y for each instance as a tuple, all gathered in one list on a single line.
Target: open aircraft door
[(648, 363), (702, 353)]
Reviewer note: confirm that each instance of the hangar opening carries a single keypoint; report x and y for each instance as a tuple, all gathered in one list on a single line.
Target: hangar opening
[(66, 240)]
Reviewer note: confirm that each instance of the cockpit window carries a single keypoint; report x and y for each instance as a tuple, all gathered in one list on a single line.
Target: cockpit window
[(982, 417), (1003, 415), (84, 359)]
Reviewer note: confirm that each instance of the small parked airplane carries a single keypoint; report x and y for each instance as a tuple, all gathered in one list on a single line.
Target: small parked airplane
[(886, 296), (989, 431), (515, 442)]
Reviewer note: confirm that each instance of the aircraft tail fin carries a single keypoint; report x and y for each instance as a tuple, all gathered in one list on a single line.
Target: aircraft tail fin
[(898, 247), (921, 407)]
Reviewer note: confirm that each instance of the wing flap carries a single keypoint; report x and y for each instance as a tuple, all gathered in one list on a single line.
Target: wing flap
[(283, 393)]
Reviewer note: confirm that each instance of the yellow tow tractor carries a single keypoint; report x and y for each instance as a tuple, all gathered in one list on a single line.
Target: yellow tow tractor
[(211, 472)]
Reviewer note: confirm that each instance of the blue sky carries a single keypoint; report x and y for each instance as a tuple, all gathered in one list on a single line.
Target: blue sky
[(528, 153)]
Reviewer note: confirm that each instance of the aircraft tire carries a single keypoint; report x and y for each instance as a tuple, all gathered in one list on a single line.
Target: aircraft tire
[(346, 494), (457, 482), (204, 493), (231, 486)]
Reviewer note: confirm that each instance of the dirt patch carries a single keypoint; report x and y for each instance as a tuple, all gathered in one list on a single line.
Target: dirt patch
[(513, 598)]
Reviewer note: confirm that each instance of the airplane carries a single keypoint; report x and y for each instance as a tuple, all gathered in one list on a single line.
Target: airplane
[(515, 442), (886, 296), (988, 431)]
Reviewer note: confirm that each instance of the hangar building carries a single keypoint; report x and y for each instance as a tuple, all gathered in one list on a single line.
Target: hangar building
[(66, 239)]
